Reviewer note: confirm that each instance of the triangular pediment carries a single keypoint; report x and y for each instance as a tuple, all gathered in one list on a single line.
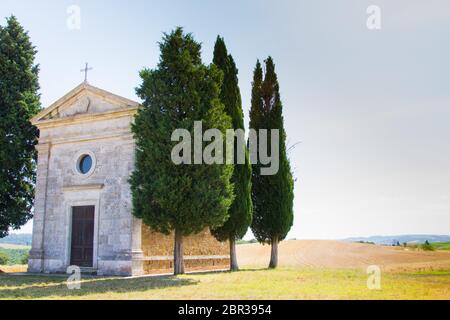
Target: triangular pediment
[(84, 100)]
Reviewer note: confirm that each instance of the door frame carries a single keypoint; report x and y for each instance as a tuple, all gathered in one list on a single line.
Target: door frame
[(69, 210)]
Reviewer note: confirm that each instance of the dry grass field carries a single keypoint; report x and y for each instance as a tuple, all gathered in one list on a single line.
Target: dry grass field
[(339, 254), (13, 269)]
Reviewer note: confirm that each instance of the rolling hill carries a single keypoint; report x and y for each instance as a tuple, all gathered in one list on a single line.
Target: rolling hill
[(17, 239), (408, 238)]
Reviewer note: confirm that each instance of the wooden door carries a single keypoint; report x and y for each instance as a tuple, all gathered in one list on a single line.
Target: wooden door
[(82, 249)]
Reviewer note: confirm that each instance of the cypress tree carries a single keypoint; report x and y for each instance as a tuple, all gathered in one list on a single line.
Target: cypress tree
[(272, 195), (19, 102), (180, 198), (240, 211)]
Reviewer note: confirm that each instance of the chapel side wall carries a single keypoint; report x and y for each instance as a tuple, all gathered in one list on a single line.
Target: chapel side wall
[(201, 251)]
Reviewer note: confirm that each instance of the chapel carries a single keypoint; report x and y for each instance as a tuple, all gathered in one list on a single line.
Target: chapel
[(83, 204)]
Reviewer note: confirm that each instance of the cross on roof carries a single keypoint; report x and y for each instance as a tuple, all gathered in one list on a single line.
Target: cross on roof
[(85, 70)]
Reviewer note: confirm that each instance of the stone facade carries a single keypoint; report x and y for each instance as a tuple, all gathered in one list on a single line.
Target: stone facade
[(94, 122)]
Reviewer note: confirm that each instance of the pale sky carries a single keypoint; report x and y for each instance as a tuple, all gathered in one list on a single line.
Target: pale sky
[(371, 108)]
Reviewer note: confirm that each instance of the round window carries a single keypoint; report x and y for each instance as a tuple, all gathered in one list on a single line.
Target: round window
[(85, 164)]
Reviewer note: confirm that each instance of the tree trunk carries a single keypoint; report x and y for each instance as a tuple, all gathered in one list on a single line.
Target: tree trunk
[(233, 259), (274, 253), (178, 261)]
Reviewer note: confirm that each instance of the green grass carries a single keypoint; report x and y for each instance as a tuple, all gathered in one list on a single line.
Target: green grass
[(441, 245), (283, 283), (15, 256)]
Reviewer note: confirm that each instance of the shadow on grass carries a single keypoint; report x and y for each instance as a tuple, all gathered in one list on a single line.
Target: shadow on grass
[(35, 287)]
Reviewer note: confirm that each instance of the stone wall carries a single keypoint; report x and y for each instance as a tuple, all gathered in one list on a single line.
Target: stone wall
[(166, 266), (201, 251)]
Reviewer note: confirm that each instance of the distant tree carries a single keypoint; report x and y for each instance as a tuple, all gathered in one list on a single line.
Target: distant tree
[(3, 259), (427, 246), (15, 256), (24, 259), (246, 241), (241, 210), (19, 102), (272, 195), (180, 198)]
